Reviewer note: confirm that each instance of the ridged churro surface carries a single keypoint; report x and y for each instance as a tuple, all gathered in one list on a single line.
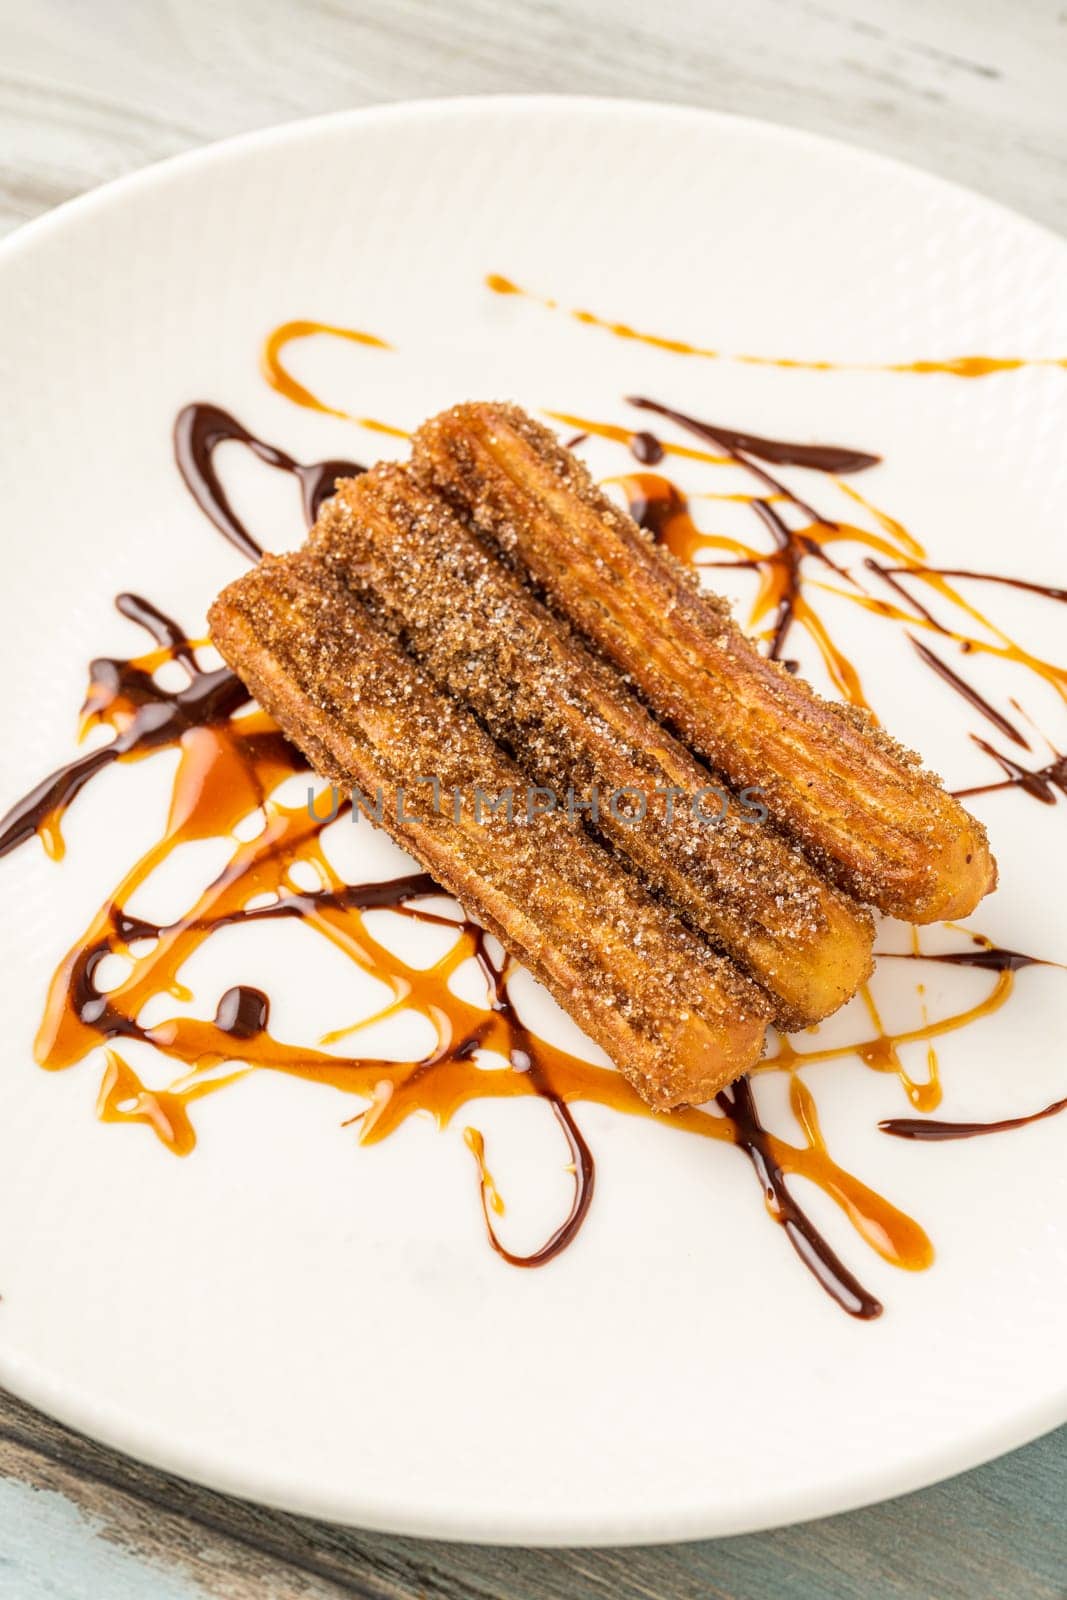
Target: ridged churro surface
[(859, 805), (571, 723), (678, 1020)]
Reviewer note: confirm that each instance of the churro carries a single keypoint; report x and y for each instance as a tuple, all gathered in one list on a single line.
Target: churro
[(677, 1019), (859, 805), (572, 724)]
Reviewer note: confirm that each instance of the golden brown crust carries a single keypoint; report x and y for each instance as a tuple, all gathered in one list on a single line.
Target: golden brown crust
[(679, 1021), (572, 724), (859, 805)]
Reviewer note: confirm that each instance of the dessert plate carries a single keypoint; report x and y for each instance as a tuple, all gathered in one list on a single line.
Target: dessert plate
[(298, 1309)]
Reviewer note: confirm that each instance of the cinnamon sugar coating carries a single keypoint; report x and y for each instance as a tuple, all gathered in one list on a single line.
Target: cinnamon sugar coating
[(677, 1019), (571, 722), (857, 803)]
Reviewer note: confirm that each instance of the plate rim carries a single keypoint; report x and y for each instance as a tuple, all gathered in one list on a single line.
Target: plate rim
[(112, 1427), (102, 195)]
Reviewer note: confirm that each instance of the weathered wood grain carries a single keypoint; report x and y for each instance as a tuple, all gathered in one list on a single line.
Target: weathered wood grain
[(974, 92), (993, 1534)]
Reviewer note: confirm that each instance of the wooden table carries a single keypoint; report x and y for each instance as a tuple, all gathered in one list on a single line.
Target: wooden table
[(973, 91)]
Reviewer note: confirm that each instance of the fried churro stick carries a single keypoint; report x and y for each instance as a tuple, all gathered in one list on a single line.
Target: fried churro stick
[(678, 1020), (858, 804), (571, 723)]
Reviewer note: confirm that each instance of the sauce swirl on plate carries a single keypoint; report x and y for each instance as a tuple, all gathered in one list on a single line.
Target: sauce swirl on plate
[(233, 761)]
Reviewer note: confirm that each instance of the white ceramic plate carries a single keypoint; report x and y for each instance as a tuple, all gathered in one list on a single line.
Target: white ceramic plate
[(318, 1324)]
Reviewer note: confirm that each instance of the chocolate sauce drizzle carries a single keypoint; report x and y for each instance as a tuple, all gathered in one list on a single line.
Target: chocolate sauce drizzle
[(1040, 783), (988, 957), (150, 718), (658, 505), (1047, 590), (748, 450), (145, 718), (524, 1057), (811, 1246), (930, 1130), (968, 692), (789, 553), (780, 452), (199, 430)]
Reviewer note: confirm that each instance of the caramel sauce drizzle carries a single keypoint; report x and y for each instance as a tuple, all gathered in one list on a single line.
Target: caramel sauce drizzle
[(953, 366), (880, 1050), (124, 1098), (280, 378), (657, 504), (230, 767), (232, 760), (144, 717), (893, 556)]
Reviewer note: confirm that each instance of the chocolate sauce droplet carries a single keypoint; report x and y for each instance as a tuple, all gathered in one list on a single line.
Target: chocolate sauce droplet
[(646, 448), (243, 1012)]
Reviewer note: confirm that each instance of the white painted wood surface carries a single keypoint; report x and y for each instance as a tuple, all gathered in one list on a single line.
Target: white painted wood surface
[(975, 90)]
